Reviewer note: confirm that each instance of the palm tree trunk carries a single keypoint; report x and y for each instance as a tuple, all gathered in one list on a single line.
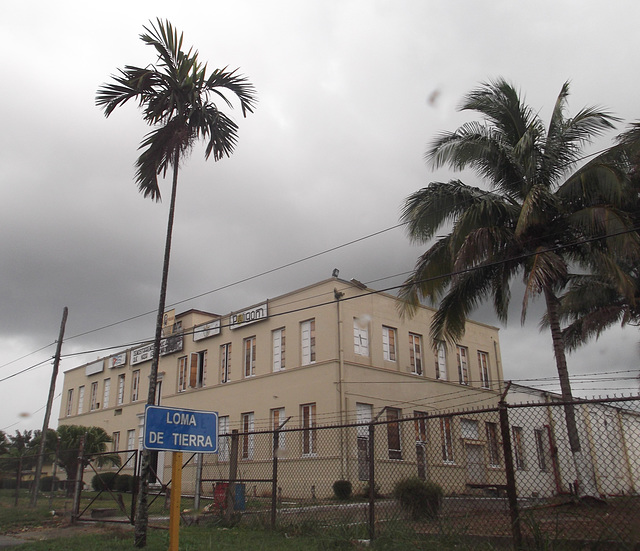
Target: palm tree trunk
[(584, 473), (142, 511)]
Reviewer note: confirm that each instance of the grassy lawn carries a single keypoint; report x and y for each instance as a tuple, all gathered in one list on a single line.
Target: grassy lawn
[(40, 523)]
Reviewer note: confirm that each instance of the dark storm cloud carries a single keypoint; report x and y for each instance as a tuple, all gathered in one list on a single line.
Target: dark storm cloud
[(350, 94)]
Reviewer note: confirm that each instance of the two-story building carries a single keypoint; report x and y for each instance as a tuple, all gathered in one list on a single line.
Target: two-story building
[(334, 352)]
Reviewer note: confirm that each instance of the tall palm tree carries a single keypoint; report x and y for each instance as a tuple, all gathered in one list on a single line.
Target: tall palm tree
[(541, 216), (176, 97)]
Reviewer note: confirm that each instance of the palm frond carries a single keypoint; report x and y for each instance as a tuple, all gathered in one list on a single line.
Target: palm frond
[(429, 278)]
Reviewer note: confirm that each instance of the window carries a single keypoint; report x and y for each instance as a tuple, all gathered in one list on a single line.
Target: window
[(360, 337), (80, 399), (197, 369), (518, 448), (277, 418), (140, 431), (106, 394), (415, 353), (278, 349), (94, 396), (463, 368), (393, 433), (225, 363), (115, 441), (158, 391), (389, 343), (441, 361), (250, 357), (364, 414), (420, 426), (182, 374), (447, 441), (308, 333), (131, 439), (224, 442), (247, 437), (120, 389), (469, 429), (492, 443), (483, 364), (69, 402), (308, 415), (135, 385), (540, 448)]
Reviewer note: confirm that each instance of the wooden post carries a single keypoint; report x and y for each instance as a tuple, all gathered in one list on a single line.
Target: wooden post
[(512, 494), (78, 482), (176, 494), (372, 483), (47, 413)]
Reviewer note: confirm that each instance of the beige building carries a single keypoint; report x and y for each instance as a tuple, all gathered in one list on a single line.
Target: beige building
[(334, 352)]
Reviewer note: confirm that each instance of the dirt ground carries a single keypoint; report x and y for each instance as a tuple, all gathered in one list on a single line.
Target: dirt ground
[(63, 528)]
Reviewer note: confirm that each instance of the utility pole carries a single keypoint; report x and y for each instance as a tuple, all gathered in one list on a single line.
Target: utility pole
[(47, 413)]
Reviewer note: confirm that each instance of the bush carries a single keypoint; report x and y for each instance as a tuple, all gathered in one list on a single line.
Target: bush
[(376, 491), (421, 499), (124, 483), (104, 481), (342, 489), (46, 483)]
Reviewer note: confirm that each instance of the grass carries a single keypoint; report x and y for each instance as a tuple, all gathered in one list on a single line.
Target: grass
[(306, 535)]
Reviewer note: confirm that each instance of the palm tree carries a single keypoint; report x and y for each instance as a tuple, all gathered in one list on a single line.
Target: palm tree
[(542, 216), (95, 442), (176, 98), (593, 302)]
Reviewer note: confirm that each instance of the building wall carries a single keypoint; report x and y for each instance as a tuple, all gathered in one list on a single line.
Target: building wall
[(349, 367), (607, 438)]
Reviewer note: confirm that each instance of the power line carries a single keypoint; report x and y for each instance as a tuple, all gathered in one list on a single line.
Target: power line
[(392, 288)]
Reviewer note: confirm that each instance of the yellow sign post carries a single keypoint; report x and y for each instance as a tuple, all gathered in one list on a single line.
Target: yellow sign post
[(176, 494)]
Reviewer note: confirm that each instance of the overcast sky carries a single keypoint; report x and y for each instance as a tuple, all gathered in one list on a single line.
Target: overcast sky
[(350, 94)]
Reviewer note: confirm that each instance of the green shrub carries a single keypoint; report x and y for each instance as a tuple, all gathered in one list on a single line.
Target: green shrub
[(46, 483), (342, 489), (104, 481), (421, 499), (376, 491), (124, 483)]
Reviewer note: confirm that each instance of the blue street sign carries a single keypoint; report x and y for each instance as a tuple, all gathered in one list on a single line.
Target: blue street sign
[(180, 430)]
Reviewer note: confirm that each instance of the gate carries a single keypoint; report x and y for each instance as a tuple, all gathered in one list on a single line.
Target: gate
[(108, 503)]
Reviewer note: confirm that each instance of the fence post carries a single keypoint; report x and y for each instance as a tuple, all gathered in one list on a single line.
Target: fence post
[(136, 485), (233, 473), (274, 478), (198, 485), (511, 478), (372, 484), (78, 485)]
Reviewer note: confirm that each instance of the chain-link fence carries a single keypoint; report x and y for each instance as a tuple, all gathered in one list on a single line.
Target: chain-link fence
[(512, 472)]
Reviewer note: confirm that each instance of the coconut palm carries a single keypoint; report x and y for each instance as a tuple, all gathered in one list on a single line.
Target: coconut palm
[(541, 217), (176, 97), (592, 302)]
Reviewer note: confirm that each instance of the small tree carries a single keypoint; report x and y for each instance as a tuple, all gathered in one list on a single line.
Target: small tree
[(95, 441)]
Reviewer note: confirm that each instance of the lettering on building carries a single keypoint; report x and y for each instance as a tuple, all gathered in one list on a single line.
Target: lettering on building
[(251, 315)]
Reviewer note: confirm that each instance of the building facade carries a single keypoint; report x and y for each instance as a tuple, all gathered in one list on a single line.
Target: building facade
[(334, 352), (609, 436)]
